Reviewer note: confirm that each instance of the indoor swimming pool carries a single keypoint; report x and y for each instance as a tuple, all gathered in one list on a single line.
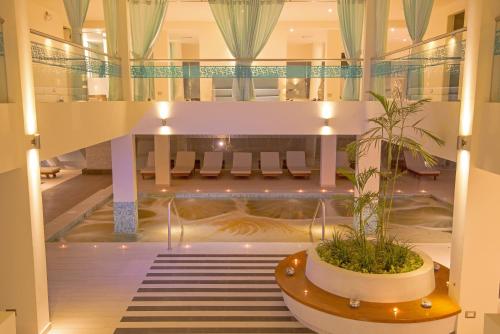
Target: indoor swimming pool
[(272, 218)]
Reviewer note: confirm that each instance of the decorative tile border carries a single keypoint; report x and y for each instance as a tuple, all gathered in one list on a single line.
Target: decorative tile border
[(78, 62), (439, 56), (126, 217), (291, 71)]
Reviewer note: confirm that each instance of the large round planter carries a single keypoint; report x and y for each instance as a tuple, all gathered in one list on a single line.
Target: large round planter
[(378, 288)]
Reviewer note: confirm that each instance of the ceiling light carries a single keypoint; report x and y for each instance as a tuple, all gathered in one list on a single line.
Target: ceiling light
[(404, 40), (292, 30), (330, 10), (393, 29), (221, 143)]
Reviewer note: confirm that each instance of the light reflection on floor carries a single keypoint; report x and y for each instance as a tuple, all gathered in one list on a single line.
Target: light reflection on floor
[(415, 219)]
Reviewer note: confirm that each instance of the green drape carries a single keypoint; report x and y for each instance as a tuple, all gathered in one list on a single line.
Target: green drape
[(110, 8), (246, 26), (417, 16), (146, 20), (76, 11), (382, 19), (351, 16)]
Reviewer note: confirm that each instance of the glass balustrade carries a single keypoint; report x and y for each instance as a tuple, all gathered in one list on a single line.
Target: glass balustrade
[(495, 83), (3, 72), (259, 80), (64, 71), (430, 69)]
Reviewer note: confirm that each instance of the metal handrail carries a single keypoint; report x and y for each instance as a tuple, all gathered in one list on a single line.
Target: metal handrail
[(435, 38), (76, 45), (321, 203), (245, 59)]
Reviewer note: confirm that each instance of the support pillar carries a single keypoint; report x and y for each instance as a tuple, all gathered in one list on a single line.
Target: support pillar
[(23, 278), (475, 269), (372, 158), (125, 208), (124, 49), (162, 160), (328, 165)]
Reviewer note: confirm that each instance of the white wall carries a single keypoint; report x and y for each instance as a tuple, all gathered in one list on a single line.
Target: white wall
[(251, 118), (441, 118)]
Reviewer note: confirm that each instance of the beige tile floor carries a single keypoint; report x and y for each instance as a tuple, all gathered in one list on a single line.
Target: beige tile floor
[(91, 285)]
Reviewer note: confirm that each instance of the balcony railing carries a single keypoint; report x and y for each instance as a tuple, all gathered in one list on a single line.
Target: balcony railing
[(429, 69), (65, 71), (272, 79), (495, 83), (3, 71)]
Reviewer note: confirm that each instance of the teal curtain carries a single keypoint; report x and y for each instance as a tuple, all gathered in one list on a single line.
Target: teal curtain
[(246, 26), (146, 20), (417, 16), (110, 8), (382, 18), (76, 11), (351, 16)]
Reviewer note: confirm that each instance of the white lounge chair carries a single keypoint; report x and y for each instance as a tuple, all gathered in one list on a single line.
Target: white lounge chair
[(149, 169), (242, 164), (343, 164), (417, 165), (212, 164), (296, 164), (270, 165), (184, 164), (49, 172)]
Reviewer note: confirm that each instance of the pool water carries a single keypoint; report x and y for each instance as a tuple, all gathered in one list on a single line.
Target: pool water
[(414, 219)]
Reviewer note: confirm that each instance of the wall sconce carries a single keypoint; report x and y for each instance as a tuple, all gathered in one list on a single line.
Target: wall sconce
[(326, 122), (464, 143), (164, 122), (35, 141)]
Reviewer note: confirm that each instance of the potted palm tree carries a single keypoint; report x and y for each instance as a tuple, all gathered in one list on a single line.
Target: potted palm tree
[(366, 263)]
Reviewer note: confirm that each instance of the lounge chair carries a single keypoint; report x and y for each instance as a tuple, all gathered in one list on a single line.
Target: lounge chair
[(184, 164), (212, 164), (242, 164), (49, 172), (270, 164), (149, 169), (343, 164), (417, 165), (296, 164)]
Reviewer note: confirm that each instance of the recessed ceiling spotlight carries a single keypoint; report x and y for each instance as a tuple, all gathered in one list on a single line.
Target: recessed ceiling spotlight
[(330, 10), (405, 40), (292, 30), (220, 143), (393, 29)]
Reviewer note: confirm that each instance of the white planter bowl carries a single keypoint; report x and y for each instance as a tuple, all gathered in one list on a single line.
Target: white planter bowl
[(377, 288)]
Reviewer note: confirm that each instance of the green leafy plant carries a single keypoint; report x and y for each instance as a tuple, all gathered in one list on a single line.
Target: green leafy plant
[(381, 254)]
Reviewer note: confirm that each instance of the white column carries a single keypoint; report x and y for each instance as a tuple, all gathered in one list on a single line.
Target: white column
[(372, 157), (124, 49), (124, 184), (162, 159), (475, 268), (328, 166), (23, 278)]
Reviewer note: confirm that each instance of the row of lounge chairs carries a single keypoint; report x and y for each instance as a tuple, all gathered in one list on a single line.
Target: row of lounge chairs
[(270, 164)]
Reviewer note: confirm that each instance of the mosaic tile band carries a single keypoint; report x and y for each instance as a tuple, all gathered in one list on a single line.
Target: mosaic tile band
[(444, 55), (126, 217), (291, 71), (78, 62)]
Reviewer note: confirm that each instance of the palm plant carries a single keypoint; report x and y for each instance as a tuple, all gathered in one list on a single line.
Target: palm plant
[(386, 254), (393, 126)]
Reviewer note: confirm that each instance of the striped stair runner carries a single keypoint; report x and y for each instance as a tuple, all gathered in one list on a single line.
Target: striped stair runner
[(210, 293)]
